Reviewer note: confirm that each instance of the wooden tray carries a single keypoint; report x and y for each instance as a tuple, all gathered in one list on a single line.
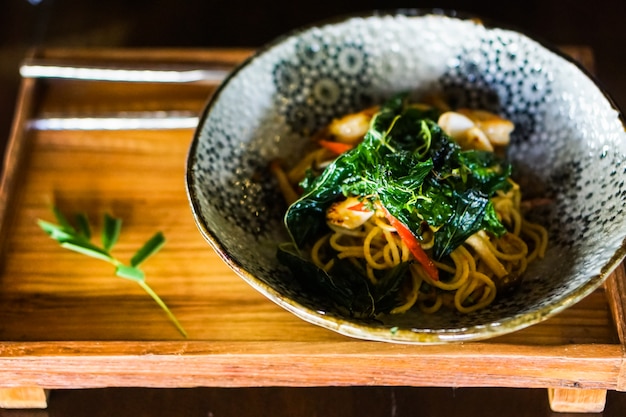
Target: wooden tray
[(67, 322)]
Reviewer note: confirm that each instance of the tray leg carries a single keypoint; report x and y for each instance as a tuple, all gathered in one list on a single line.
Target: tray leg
[(576, 400), (23, 397)]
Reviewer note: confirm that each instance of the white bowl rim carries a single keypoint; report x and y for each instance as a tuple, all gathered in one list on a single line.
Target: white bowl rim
[(383, 334)]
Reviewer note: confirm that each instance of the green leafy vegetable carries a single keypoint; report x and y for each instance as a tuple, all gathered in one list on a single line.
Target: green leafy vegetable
[(83, 226), (152, 246), (110, 232), (419, 174), (78, 239), (351, 293), (344, 283), (407, 163)]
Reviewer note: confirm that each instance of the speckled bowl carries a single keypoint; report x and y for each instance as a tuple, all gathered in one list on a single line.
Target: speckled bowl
[(569, 145)]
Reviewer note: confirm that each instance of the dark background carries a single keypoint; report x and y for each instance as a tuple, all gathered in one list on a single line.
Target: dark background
[(599, 24)]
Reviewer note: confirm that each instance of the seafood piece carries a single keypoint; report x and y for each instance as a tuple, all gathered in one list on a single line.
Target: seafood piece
[(464, 131), (497, 129), (348, 214), (476, 129), (352, 127)]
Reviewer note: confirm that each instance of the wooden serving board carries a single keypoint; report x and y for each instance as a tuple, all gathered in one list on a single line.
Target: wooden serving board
[(67, 322)]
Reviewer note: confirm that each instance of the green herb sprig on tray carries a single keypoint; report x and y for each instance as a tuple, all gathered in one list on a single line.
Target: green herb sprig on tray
[(79, 239)]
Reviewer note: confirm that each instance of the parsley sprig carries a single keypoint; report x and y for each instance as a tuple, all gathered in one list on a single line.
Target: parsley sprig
[(79, 239)]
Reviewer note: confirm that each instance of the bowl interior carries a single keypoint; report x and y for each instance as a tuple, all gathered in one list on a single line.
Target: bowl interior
[(568, 146)]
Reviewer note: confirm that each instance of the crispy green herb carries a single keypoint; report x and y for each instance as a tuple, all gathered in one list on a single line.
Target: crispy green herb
[(419, 174), (78, 239)]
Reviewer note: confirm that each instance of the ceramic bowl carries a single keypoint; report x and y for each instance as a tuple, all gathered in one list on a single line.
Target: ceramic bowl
[(569, 145)]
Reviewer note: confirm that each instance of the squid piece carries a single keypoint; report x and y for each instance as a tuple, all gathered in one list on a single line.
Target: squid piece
[(482, 250), (464, 131), (352, 127), (497, 129), (476, 129), (347, 214)]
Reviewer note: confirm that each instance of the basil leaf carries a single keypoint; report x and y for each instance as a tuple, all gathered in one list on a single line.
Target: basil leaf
[(491, 222), (111, 231), (83, 227), (345, 286), (63, 222), (466, 219), (389, 287), (487, 172), (153, 245)]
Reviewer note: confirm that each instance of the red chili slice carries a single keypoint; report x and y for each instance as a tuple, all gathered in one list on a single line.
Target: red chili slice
[(359, 207), (335, 147), (413, 244)]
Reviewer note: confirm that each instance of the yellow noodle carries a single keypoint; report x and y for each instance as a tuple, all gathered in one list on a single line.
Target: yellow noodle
[(334, 243), (483, 268), (315, 257), (503, 207), (543, 233), (489, 293), (506, 208), (356, 252), (461, 273), (406, 253), (479, 242), (416, 282), (298, 172), (370, 269), (431, 309), (286, 188), (388, 255), (462, 250), (429, 242), (536, 239), (392, 254), (521, 253), (383, 225), (368, 249), (445, 267), (517, 221), (523, 264)]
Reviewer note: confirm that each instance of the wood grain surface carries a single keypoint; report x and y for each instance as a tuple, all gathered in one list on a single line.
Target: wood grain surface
[(67, 322)]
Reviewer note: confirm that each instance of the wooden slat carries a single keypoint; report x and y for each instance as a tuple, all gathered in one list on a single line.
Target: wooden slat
[(302, 363), (169, 57), (15, 153), (616, 288)]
